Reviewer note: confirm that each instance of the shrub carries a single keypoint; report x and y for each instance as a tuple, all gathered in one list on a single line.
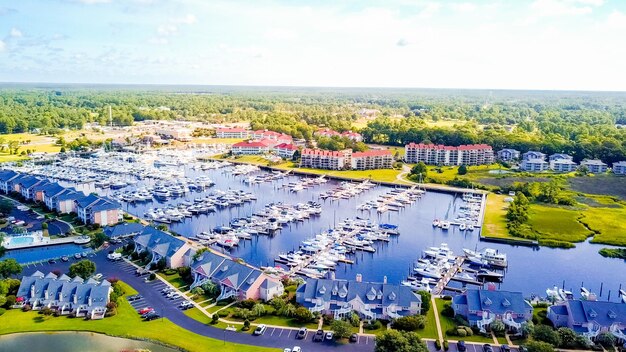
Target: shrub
[(447, 311), (152, 276), (437, 345), (215, 319), (246, 325), (460, 320), (373, 325), (410, 323), (247, 304), (461, 332), (446, 298), (26, 308), (222, 313), (445, 345)]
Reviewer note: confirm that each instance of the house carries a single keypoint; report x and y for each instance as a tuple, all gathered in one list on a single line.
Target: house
[(127, 229), (15, 184), (65, 295), (5, 178), (249, 148), (475, 154), (508, 154), (563, 165), (162, 245), (40, 190), (327, 132), (50, 194), (352, 136), (594, 166), (93, 209), (285, 150), (372, 159), (481, 307), (533, 161), (370, 300), (590, 318), (275, 136), (560, 156), (326, 159), (619, 168), (26, 185), (233, 132), (235, 279), (67, 201)]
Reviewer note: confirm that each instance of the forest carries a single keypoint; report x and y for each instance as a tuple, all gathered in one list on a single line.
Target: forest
[(584, 124)]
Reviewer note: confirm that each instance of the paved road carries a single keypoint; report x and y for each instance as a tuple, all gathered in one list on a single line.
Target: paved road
[(152, 297)]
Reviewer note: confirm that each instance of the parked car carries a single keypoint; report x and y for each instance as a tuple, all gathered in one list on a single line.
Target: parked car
[(354, 338), (505, 348), (286, 349), (301, 333), (98, 276), (186, 305), (134, 298), (319, 336), (296, 349), (77, 256), (460, 346), (146, 310), (141, 272), (173, 295), (65, 259), (52, 261), (487, 348), (329, 336), (260, 330), (151, 316)]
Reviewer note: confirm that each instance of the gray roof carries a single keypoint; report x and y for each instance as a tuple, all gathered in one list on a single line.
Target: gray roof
[(124, 229), (603, 313), (6, 175), (226, 270), (159, 242), (593, 162), (61, 289), (498, 302), (619, 163)]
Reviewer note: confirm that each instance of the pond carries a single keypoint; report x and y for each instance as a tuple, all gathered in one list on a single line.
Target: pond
[(74, 342)]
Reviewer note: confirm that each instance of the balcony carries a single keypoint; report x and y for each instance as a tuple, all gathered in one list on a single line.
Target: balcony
[(615, 330), (508, 321), (339, 313), (484, 322), (317, 308)]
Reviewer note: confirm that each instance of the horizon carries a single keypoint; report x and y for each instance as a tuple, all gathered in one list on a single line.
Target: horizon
[(545, 45)]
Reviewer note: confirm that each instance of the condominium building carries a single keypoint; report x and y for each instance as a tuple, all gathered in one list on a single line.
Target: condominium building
[(508, 154), (326, 159), (619, 168), (275, 136), (233, 132), (285, 150), (249, 148), (563, 165), (475, 154), (533, 161), (372, 159), (594, 166)]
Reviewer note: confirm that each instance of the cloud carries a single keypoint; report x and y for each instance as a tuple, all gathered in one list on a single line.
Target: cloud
[(556, 8), (279, 34), (188, 19), (171, 28), (617, 19), (15, 33), (6, 11), (429, 9), (463, 7), (2, 46), (402, 42), (167, 29), (158, 41)]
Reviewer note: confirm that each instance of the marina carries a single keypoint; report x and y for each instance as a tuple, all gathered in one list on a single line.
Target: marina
[(425, 219)]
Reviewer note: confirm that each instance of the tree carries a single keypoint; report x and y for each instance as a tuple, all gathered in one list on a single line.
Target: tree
[(497, 326), (6, 206), (606, 339), (538, 346), (420, 169), (409, 323), (425, 301), (462, 170), (568, 338), (527, 328), (9, 267), (85, 268), (303, 315), (211, 289), (98, 239), (399, 341), (288, 310), (546, 334), (259, 310), (341, 328)]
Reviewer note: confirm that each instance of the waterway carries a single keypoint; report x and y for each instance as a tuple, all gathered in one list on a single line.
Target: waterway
[(74, 342), (531, 270)]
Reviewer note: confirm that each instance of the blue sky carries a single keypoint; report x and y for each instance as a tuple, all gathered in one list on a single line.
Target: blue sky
[(521, 44)]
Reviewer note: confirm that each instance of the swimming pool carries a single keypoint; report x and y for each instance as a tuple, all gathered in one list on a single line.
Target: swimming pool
[(40, 254), (21, 240)]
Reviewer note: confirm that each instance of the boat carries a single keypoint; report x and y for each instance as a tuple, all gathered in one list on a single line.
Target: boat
[(489, 275), (429, 271), (82, 240), (622, 294), (445, 225), (491, 256), (421, 285), (553, 293), (462, 227), (588, 295), (565, 294)]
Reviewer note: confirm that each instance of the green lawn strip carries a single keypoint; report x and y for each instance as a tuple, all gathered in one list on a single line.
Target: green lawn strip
[(281, 321), (127, 323), (449, 323), (494, 223), (557, 223), (608, 223), (430, 330), (174, 279)]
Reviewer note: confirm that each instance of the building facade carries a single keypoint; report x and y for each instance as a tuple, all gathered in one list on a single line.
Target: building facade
[(326, 159), (533, 161), (590, 318), (370, 300), (619, 168), (372, 159), (482, 307), (285, 150), (250, 148), (563, 165), (160, 244), (234, 132), (594, 166), (508, 154), (94, 209), (431, 154)]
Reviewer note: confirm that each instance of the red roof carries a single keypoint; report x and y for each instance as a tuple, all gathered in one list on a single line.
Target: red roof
[(351, 134), (321, 152), (248, 144), (367, 153), (287, 146), (233, 129), (327, 131)]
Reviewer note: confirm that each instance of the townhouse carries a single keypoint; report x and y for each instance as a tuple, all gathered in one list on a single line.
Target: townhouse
[(93, 209), (372, 159), (534, 161), (271, 135), (123, 230), (6, 176), (562, 163), (590, 318), (235, 279), (594, 166), (475, 154), (370, 300), (482, 307), (285, 150), (65, 295), (326, 159), (619, 168), (160, 244), (508, 154)]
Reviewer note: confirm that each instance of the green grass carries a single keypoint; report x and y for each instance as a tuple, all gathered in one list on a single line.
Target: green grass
[(382, 175), (608, 223), (6, 157), (557, 223), (494, 223), (449, 323), (127, 323), (174, 279), (430, 330)]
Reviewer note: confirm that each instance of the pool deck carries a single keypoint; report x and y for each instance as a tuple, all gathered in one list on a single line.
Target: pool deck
[(47, 242)]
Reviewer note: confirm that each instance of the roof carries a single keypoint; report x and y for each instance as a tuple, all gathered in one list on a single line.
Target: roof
[(602, 313), (227, 271), (6, 175), (619, 163), (250, 144), (124, 229), (286, 146), (50, 288), (52, 189), (593, 162), (322, 152), (70, 194), (558, 156), (508, 150), (269, 284), (368, 153), (97, 203), (87, 201), (497, 302), (28, 181), (564, 161), (231, 129), (159, 242)]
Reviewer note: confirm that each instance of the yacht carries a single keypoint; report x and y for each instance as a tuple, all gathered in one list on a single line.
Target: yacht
[(491, 256), (489, 275), (588, 295), (565, 294), (462, 227), (445, 225), (436, 223), (429, 271)]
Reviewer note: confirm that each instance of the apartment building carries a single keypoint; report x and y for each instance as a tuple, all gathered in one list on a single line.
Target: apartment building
[(372, 159), (475, 154), (326, 159)]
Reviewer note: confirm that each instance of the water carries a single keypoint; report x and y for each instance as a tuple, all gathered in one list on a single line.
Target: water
[(73, 342), (530, 270), (21, 240), (44, 253)]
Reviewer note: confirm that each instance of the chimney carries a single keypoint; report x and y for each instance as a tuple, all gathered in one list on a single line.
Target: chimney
[(359, 278), (385, 279)]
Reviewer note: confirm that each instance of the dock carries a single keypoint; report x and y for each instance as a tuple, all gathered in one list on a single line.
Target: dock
[(449, 275)]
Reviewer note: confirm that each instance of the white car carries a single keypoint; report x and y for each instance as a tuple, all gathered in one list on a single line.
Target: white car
[(260, 329), (287, 349), (296, 349), (98, 277), (173, 295)]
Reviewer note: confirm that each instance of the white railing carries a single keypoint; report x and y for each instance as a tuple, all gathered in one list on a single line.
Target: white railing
[(392, 314), (317, 308), (368, 313), (508, 320), (615, 330), (341, 311), (485, 321), (226, 293)]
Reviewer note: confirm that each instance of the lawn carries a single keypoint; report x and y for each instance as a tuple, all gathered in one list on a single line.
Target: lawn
[(494, 223), (282, 321), (174, 279), (382, 175), (557, 223), (127, 323), (430, 330), (6, 157), (449, 323), (608, 223), (600, 184)]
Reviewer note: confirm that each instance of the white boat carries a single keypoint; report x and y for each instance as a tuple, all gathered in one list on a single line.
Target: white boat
[(553, 293), (82, 240), (429, 271), (445, 225), (565, 294), (462, 227), (588, 295), (488, 274), (489, 255), (622, 293)]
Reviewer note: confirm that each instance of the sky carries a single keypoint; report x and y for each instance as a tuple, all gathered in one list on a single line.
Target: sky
[(492, 44)]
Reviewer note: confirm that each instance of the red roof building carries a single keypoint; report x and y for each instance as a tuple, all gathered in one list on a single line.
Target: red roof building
[(234, 132), (372, 159), (250, 148), (285, 150)]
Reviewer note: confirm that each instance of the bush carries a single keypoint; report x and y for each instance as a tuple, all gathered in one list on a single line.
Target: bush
[(447, 311), (446, 298), (247, 304), (546, 334), (437, 345), (409, 323), (373, 325), (222, 313), (215, 319), (460, 320), (246, 325), (445, 345), (26, 308), (461, 332), (152, 276)]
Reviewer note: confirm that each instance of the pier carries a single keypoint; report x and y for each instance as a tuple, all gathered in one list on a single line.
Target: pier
[(449, 275)]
